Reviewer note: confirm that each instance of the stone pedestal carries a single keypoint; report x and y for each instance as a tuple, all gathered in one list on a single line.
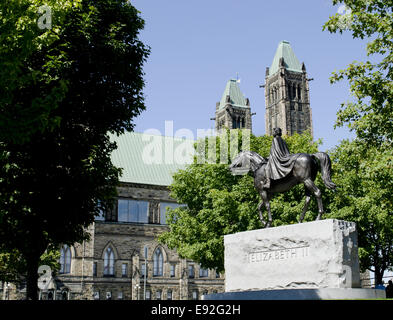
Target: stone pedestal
[(313, 260), (319, 254), (300, 294)]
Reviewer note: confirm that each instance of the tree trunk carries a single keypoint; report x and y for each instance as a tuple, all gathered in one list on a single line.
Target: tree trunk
[(378, 276), (32, 277)]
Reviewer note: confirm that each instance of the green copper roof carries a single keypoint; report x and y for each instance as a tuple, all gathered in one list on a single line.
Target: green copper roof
[(235, 95), (150, 159), (291, 63)]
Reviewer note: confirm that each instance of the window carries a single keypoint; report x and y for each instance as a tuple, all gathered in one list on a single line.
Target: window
[(148, 295), (101, 216), (120, 295), (132, 211), (109, 262), (157, 263), (164, 207), (191, 272), (64, 295), (299, 92), (169, 294), (172, 271), (124, 270), (143, 270), (217, 274), (194, 295), (94, 269), (158, 294), (65, 259), (203, 273)]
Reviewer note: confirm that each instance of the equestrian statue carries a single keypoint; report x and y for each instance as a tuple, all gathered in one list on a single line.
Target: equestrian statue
[(282, 171)]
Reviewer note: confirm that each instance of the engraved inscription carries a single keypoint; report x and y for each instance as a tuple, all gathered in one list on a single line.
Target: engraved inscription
[(280, 254)]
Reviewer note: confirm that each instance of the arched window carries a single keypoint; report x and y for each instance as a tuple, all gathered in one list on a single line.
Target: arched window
[(65, 259), (109, 262), (158, 263), (299, 95), (169, 294)]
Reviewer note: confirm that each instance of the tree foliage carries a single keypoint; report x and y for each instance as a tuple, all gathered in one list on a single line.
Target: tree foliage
[(364, 175), (13, 265), (65, 89), (371, 81), (218, 203), (31, 86), (363, 167)]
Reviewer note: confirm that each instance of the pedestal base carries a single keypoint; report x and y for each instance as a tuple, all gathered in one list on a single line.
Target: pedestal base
[(300, 294), (312, 255)]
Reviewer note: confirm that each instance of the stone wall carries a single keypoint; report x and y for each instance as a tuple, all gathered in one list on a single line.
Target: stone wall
[(128, 241)]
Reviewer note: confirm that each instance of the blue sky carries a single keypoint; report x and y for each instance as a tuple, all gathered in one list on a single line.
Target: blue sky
[(197, 46)]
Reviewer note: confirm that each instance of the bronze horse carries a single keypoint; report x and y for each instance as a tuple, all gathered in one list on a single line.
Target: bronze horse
[(304, 171)]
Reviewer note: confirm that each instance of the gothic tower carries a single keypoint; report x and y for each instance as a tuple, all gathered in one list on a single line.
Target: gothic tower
[(287, 97), (233, 111)]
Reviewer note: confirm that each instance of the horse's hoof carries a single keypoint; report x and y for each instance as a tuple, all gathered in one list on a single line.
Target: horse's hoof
[(268, 225)]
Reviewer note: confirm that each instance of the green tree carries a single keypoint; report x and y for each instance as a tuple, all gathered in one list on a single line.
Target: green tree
[(364, 176), (363, 167), (13, 265), (52, 181), (218, 203), (371, 82), (31, 86)]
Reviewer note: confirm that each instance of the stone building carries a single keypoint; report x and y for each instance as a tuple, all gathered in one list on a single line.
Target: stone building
[(233, 111), (112, 264), (287, 97)]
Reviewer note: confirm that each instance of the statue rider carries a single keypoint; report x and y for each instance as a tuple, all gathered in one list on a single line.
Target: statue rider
[(280, 161)]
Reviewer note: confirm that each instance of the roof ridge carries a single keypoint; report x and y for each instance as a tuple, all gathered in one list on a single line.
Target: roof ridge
[(150, 134)]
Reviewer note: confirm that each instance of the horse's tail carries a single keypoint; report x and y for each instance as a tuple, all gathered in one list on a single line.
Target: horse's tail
[(326, 167)]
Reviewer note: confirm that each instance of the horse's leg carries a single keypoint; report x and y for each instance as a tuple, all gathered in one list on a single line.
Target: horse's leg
[(307, 202), (260, 213), (265, 198), (269, 214), (310, 185)]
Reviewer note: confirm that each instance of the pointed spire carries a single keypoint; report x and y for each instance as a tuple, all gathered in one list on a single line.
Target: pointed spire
[(233, 95), (285, 57)]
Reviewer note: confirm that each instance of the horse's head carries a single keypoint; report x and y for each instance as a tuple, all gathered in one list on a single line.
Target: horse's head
[(246, 161)]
